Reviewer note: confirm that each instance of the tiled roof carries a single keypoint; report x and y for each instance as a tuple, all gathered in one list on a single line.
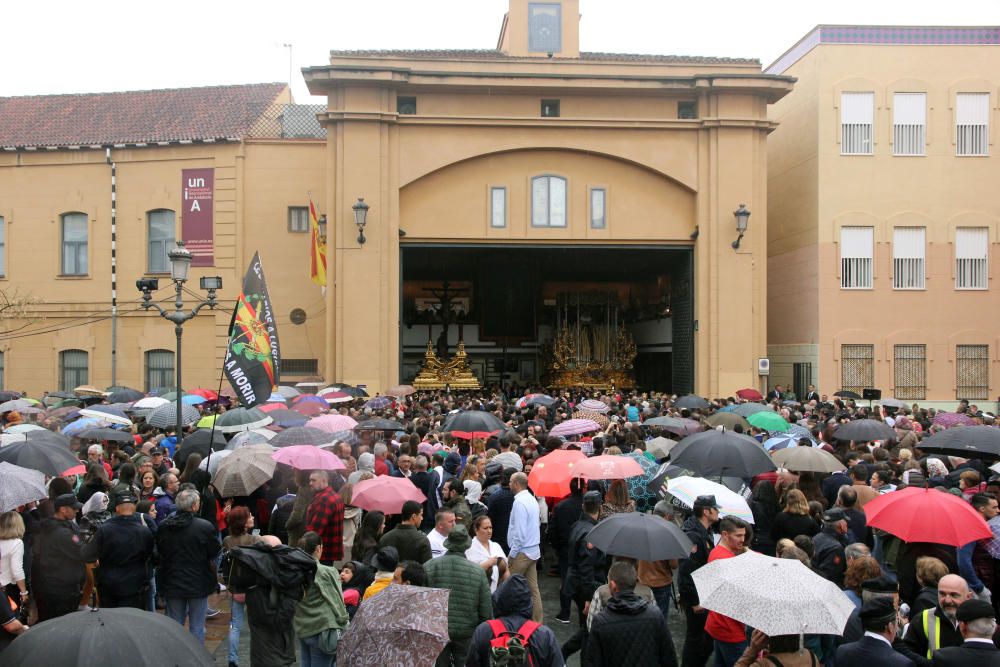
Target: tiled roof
[(494, 54), (133, 117)]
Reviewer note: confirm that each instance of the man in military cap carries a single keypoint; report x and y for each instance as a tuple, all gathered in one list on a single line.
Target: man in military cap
[(878, 616)]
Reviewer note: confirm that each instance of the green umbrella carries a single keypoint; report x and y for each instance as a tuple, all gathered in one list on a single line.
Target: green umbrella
[(768, 421)]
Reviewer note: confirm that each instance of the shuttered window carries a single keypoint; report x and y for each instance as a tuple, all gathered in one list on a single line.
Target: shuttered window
[(972, 124), (908, 257), (909, 369), (159, 369), (971, 263), (857, 118), (74, 369), (972, 372), (857, 367), (856, 247), (909, 123)]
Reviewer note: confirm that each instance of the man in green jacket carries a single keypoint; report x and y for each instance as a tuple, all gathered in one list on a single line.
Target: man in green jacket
[(469, 603), (406, 537)]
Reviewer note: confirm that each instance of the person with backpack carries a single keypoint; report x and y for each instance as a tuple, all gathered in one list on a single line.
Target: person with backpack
[(513, 639)]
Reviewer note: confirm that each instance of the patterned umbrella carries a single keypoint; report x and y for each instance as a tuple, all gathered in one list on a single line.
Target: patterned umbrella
[(401, 390), (638, 485), (19, 486), (241, 419), (782, 441), (660, 447), (332, 423), (107, 413), (378, 403), (601, 419), (89, 390), (411, 625), (165, 416), (301, 435), (575, 427), (687, 489), (800, 431), (949, 419), (593, 405), (244, 471)]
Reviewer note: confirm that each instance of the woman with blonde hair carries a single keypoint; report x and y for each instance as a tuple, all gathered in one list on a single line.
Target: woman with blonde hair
[(794, 519), (12, 556)]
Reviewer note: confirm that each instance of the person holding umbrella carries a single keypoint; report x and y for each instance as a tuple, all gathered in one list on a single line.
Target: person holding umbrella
[(728, 633), (698, 527)]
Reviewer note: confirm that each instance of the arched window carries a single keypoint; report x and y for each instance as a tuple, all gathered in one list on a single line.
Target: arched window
[(160, 232), (74, 244), (74, 369), (548, 201), (159, 369)]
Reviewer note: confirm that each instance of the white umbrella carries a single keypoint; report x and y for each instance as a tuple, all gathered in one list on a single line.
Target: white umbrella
[(211, 463), (23, 428), (244, 471), (778, 596), (687, 489), (19, 486), (144, 406)]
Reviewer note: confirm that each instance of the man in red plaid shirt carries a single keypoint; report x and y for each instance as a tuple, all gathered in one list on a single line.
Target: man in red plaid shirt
[(325, 516)]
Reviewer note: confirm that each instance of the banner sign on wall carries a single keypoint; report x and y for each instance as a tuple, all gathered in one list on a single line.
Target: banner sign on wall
[(197, 228)]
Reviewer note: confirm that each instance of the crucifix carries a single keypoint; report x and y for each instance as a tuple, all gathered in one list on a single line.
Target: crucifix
[(446, 312)]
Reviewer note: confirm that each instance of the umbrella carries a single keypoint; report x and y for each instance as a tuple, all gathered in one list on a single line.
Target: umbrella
[(332, 396), (864, 430), (574, 427), (7, 395), (949, 419), (23, 428), (207, 394), (728, 420), (19, 486), (597, 417), (241, 419), (807, 459), (400, 390), (310, 409), (211, 463), (165, 416), (379, 425), (686, 489), (716, 453), (16, 404), (692, 402), (893, 403), (660, 447), (301, 435), (669, 471), (768, 421), (378, 403), (607, 467), (171, 395), (287, 418), (843, 393), (102, 637), (966, 441), (332, 423), (535, 399), (593, 405), (307, 457), (107, 413), (640, 536), (311, 381), (638, 485), (244, 471), (800, 432), (747, 409), (246, 438), (677, 425), (31, 410), (474, 421), (108, 434), (276, 397), (271, 406), (348, 436), (73, 429), (749, 394), (309, 398), (146, 405), (354, 392), (201, 442), (75, 402), (386, 494), (927, 515), (89, 390), (778, 596), (289, 393), (783, 441), (193, 399), (42, 451), (550, 475), (124, 394), (402, 625)]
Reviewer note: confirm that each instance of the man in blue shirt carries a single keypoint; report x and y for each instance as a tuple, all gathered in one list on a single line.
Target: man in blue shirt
[(524, 539)]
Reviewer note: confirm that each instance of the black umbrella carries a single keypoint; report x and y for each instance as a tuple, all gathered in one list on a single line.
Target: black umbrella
[(640, 536), (542, 399), (473, 421), (301, 435), (864, 430), (722, 453), (692, 402), (965, 441), (669, 471), (46, 452), (379, 425), (352, 391), (124, 394), (108, 637), (9, 396), (109, 434), (843, 393), (287, 418), (201, 441), (241, 419)]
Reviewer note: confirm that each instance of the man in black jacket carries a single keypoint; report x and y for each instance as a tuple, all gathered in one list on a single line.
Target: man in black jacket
[(585, 569), (186, 574), (565, 514), (123, 546), (629, 631), (978, 626), (878, 617), (830, 559), (58, 568), (698, 645)]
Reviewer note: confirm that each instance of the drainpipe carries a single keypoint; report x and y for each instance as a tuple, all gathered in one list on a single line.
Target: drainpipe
[(114, 268)]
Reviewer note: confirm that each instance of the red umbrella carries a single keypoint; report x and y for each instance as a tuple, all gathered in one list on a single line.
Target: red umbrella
[(927, 515), (551, 473), (469, 435), (750, 394), (607, 467), (268, 407), (207, 394), (386, 494), (310, 409)]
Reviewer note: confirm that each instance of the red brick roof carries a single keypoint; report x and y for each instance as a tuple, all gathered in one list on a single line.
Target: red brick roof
[(589, 56), (144, 116)]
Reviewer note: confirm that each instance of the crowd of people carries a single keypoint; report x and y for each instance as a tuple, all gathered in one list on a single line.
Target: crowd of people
[(295, 561)]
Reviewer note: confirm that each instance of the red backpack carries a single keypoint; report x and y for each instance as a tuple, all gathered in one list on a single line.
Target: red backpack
[(510, 649)]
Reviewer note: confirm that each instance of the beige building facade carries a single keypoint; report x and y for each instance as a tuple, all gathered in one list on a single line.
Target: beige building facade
[(883, 222)]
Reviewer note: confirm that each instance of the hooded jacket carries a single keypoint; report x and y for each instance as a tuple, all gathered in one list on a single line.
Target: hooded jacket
[(512, 607), (630, 631), (187, 547)]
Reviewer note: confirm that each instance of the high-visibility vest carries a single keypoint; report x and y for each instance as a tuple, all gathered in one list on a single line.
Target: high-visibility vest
[(932, 630)]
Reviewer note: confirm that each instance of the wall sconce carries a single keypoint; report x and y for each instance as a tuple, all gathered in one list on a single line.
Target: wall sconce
[(321, 223), (360, 218), (742, 215)]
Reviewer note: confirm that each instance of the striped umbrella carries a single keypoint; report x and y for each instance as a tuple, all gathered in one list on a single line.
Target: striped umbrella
[(301, 435), (244, 471), (19, 486), (165, 416), (575, 427), (246, 438), (593, 405)]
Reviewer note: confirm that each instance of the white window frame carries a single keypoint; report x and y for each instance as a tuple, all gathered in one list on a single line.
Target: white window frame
[(158, 244), (73, 254), (857, 269), (546, 210), (972, 124), (972, 253), (909, 258), (857, 123), (909, 124), (598, 205), (498, 207)]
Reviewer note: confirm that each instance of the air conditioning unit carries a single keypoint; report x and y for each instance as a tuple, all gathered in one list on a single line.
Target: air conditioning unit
[(763, 366)]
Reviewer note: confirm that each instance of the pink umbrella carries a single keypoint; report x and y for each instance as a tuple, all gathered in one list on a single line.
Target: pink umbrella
[(332, 423), (607, 467), (575, 427), (270, 407), (386, 494), (307, 457)]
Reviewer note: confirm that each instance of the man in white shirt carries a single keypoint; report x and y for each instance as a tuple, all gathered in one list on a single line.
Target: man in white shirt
[(524, 540), (444, 521)]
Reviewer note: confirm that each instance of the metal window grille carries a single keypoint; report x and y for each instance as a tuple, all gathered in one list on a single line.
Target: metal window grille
[(857, 367), (548, 201), (298, 219), (856, 246), (908, 257), (972, 124), (162, 231), (909, 123), (291, 367), (910, 371), (971, 257), (74, 244), (159, 369), (290, 121), (74, 369), (972, 372), (857, 119)]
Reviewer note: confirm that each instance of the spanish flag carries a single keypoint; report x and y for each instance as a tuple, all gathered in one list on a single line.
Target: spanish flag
[(317, 250)]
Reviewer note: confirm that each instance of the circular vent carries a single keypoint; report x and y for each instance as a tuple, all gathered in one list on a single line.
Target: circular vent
[(297, 316)]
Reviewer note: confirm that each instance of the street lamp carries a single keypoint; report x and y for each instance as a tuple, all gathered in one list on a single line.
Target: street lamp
[(180, 262), (321, 224), (742, 215), (360, 218)]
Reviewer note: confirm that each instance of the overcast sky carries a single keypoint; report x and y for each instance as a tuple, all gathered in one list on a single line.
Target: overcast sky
[(58, 46)]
